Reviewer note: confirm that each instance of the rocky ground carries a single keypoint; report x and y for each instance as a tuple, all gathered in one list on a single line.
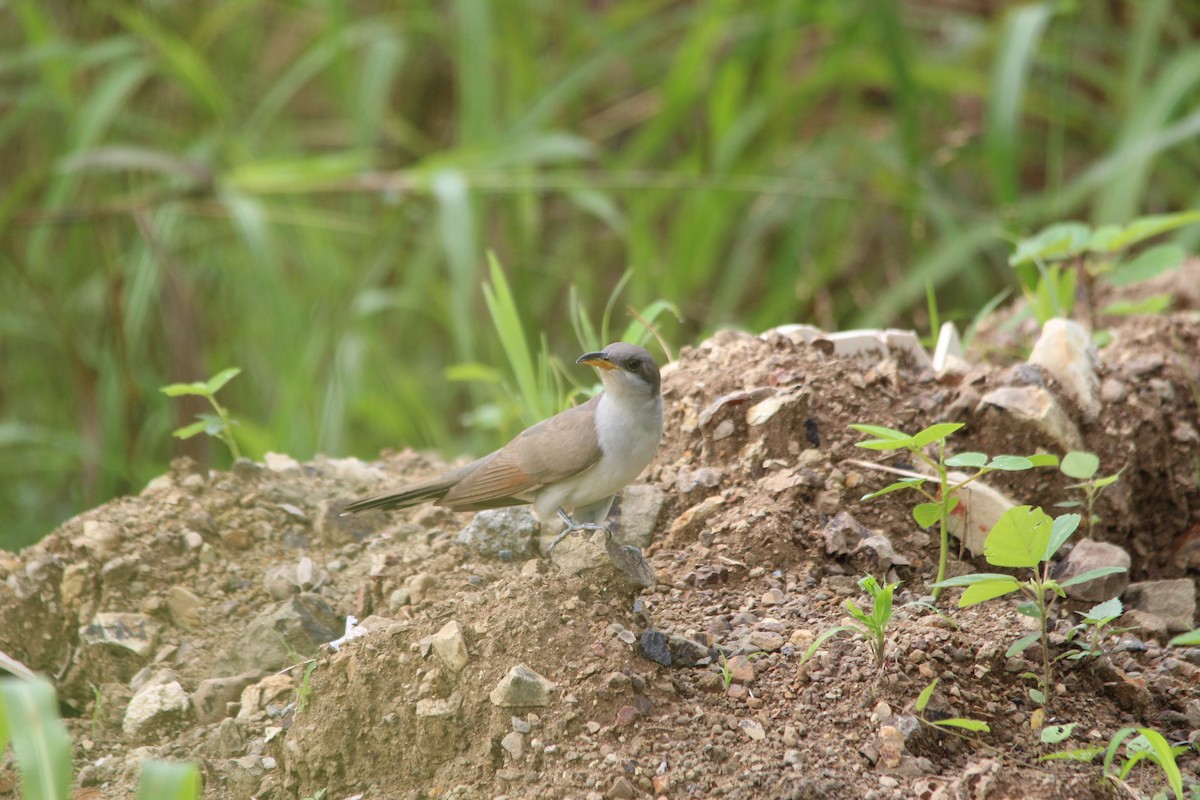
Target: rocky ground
[(188, 622)]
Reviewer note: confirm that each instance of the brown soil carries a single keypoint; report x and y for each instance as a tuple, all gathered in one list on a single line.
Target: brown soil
[(741, 570)]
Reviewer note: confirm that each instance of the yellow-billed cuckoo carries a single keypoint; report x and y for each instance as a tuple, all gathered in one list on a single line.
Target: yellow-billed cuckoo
[(572, 464)]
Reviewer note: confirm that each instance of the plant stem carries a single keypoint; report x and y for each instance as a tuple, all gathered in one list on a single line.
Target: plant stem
[(226, 434), (943, 528), (1044, 614)]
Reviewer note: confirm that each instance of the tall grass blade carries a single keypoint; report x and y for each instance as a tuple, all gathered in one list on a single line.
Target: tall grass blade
[(39, 738)]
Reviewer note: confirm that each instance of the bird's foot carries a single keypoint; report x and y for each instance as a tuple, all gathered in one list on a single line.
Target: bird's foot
[(575, 527)]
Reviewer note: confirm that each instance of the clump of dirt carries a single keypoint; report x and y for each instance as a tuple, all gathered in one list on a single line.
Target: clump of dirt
[(221, 588)]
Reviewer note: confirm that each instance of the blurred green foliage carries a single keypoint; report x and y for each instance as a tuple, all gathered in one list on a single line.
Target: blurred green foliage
[(308, 189)]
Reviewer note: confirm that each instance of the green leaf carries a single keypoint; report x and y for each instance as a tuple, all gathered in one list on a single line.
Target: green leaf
[(1053, 734), (1091, 575), (221, 378), (925, 695), (965, 723), (821, 637), (855, 611), (1109, 609), (178, 389), (1022, 644), (1037, 696), (1114, 743), (1060, 530), (1010, 463), (1154, 304), (1078, 754), (972, 459), (1146, 227), (1043, 460), (968, 580), (1149, 264), (166, 780), (881, 432), (39, 738), (1019, 538), (927, 513), (1028, 608), (1058, 241), (935, 432), (1189, 639), (907, 483), (987, 590), (1107, 480), (1165, 758), (188, 431), (1080, 465)]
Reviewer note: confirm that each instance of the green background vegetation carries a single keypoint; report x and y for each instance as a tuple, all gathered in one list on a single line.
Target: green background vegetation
[(308, 190)]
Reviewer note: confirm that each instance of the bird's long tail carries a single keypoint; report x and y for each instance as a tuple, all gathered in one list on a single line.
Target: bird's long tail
[(412, 495)]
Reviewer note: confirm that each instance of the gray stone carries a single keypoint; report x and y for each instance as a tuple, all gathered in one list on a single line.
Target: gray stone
[(185, 608), (450, 646), (504, 533), (1145, 624), (212, 697), (135, 632), (522, 687), (1066, 351), (1088, 555), (1173, 600), (843, 534), (686, 652), (1037, 408), (154, 709), (654, 646), (753, 729), (580, 551), (297, 626), (514, 745), (641, 505)]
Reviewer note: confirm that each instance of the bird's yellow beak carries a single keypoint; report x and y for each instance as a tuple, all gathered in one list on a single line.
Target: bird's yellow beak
[(596, 360)]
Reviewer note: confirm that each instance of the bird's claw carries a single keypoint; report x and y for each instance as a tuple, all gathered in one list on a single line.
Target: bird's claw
[(575, 527)]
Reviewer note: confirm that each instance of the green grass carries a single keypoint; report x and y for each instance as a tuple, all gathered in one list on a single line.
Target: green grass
[(310, 190)]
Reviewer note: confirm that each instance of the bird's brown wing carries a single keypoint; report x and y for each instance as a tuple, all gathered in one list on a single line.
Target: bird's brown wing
[(553, 450)]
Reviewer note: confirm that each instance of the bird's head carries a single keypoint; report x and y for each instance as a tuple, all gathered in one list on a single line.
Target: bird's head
[(626, 370)]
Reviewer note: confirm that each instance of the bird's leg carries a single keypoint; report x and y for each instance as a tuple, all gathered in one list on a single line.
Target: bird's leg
[(573, 527)]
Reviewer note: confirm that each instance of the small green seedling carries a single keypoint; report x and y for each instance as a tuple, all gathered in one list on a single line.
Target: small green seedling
[(941, 502), (873, 625), (965, 723), (218, 425), (1083, 466), (1026, 538), (1092, 628), (1147, 745), (1050, 263), (304, 690)]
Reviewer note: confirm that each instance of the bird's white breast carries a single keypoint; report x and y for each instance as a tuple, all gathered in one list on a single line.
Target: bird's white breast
[(628, 431)]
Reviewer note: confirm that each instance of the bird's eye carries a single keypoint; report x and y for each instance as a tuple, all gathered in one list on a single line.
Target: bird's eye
[(633, 364)]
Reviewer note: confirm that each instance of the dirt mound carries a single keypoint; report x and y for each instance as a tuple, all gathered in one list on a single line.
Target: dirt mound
[(481, 675)]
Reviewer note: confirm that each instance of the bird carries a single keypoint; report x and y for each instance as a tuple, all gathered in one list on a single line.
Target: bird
[(570, 465)]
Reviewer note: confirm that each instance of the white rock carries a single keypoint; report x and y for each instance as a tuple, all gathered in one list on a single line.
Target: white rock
[(1066, 351), (155, 705), (450, 646), (1036, 407)]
